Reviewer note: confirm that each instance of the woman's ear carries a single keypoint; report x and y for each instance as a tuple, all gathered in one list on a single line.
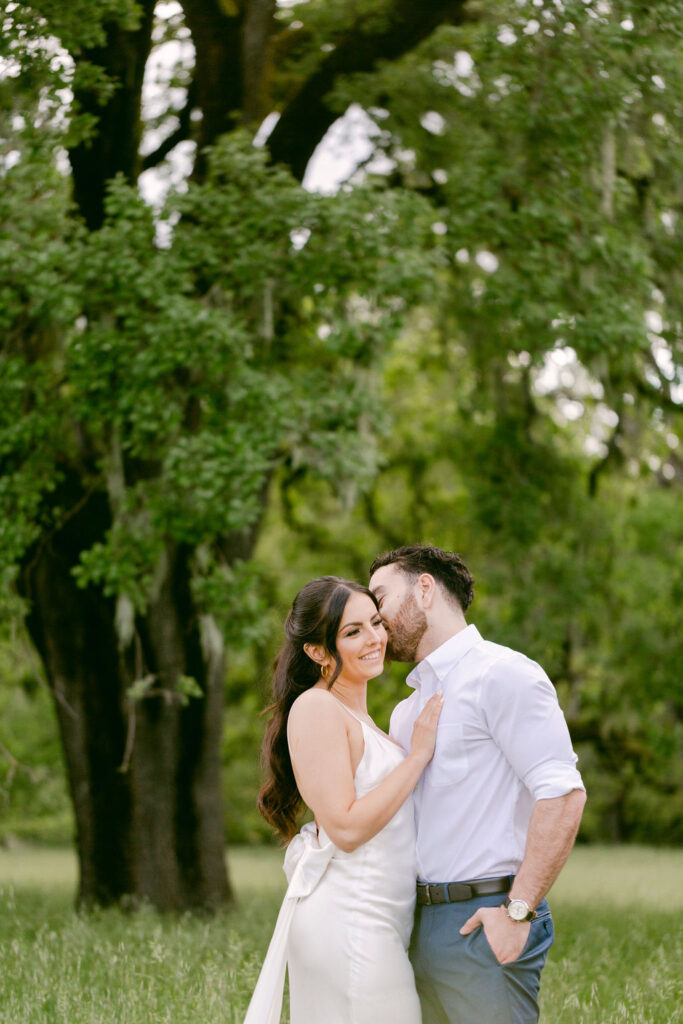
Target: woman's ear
[(315, 652)]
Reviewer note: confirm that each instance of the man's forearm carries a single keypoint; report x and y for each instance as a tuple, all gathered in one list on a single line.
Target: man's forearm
[(552, 831)]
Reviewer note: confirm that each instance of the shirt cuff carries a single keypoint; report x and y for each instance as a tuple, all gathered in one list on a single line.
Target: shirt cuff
[(551, 779)]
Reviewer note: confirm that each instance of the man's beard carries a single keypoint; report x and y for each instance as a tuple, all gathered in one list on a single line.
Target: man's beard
[(406, 631)]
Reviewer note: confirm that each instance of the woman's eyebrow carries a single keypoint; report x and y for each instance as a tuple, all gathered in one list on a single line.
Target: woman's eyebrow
[(346, 625)]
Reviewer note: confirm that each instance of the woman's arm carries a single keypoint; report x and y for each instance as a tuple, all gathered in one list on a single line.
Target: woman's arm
[(321, 756)]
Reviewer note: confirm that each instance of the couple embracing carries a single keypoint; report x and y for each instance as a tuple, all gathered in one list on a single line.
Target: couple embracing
[(451, 829)]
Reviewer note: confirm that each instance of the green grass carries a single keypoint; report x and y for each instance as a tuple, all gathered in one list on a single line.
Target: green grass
[(616, 958), (619, 940)]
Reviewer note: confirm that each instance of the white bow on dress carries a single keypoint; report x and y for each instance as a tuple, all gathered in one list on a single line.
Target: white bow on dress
[(305, 864)]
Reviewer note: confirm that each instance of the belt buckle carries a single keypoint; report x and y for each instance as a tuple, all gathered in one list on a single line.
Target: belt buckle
[(425, 897)]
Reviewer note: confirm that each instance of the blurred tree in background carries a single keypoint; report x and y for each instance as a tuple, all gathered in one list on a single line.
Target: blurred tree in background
[(150, 388), (476, 343)]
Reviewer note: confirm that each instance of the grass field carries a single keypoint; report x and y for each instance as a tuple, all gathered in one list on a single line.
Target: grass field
[(617, 955)]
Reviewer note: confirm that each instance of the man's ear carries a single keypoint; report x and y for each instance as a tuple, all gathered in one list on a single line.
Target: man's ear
[(426, 588), (315, 652)]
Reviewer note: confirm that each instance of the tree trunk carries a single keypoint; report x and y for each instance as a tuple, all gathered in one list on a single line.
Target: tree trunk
[(144, 777), (218, 71), (113, 147)]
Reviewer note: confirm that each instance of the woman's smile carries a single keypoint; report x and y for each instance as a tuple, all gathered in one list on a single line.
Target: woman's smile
[(372, 655)]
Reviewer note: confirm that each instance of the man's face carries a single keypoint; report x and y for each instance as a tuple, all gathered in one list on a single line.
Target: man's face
[(404, 620)]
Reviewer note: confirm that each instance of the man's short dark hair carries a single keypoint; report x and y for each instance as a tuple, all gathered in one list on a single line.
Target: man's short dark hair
[(446, 567)]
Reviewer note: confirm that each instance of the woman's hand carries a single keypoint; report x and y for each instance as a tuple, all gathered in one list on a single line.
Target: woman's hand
[(424, 731), (318, 735)]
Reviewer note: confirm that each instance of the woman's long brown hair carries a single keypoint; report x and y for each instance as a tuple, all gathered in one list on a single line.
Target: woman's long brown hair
[(314, 618)]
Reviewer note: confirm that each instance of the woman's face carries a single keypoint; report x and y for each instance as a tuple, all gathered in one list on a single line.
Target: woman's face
[(361, 639)]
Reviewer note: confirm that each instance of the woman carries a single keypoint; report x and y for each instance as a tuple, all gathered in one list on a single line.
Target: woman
[(345, 923)]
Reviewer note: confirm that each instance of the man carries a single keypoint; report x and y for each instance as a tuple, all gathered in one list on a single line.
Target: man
[(499, 806)]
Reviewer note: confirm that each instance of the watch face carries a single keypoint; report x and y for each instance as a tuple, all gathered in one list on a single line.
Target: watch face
[(517, 910)]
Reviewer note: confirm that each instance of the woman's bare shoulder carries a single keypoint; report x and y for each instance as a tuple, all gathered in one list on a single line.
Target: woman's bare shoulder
[(314, 705)]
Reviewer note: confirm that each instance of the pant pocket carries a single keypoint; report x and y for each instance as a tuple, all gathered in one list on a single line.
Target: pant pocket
[(539, 941)]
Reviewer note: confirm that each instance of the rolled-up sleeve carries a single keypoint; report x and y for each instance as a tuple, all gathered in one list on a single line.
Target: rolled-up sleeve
[(520, 706)]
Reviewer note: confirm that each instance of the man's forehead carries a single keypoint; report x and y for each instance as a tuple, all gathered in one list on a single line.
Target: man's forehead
[(386, 578)]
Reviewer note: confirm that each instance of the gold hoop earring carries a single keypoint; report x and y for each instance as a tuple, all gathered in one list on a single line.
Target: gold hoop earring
[(325, 671)]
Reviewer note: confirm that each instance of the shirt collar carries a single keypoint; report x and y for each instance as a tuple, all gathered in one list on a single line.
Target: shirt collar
[(445, 657)]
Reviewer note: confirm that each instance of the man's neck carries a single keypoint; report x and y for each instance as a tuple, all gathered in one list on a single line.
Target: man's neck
[(438, 633)]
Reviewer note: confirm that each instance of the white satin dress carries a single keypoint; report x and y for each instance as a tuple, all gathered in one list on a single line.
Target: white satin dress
[(345, 923)]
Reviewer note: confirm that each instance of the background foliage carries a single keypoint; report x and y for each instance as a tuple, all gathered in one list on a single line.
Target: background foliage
[(477, 344)]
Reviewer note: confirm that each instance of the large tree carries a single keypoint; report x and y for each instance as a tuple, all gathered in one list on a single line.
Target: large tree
[(152, 382)]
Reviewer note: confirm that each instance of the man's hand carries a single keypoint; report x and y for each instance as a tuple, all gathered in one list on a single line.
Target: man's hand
[(506, 938)]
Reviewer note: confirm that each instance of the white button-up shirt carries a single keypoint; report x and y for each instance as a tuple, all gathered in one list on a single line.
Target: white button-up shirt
[(502, 743)]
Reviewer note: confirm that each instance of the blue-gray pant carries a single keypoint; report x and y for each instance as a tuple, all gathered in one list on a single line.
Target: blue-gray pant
[(459, 979)]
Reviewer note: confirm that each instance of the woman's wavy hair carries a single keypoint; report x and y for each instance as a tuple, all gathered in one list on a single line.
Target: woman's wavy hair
[(314, 618)]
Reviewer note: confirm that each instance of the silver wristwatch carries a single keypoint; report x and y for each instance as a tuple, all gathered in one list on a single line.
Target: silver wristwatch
[(518, 910)]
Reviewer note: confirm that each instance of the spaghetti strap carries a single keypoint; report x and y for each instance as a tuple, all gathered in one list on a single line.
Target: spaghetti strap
[(373, 730), (352, 713)]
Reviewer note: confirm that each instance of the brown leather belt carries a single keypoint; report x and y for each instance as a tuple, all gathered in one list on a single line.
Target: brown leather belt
[(432, 893)]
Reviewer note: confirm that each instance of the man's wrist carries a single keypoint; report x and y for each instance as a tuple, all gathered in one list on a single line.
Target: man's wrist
[(518, 910), (522, 894)]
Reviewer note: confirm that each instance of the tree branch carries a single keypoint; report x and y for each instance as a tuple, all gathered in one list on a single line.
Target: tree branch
[(181, 133), (613, 454), (113, 147), (661, 398), (383, 530), (305, 120), (256, 31), (217, 39)]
